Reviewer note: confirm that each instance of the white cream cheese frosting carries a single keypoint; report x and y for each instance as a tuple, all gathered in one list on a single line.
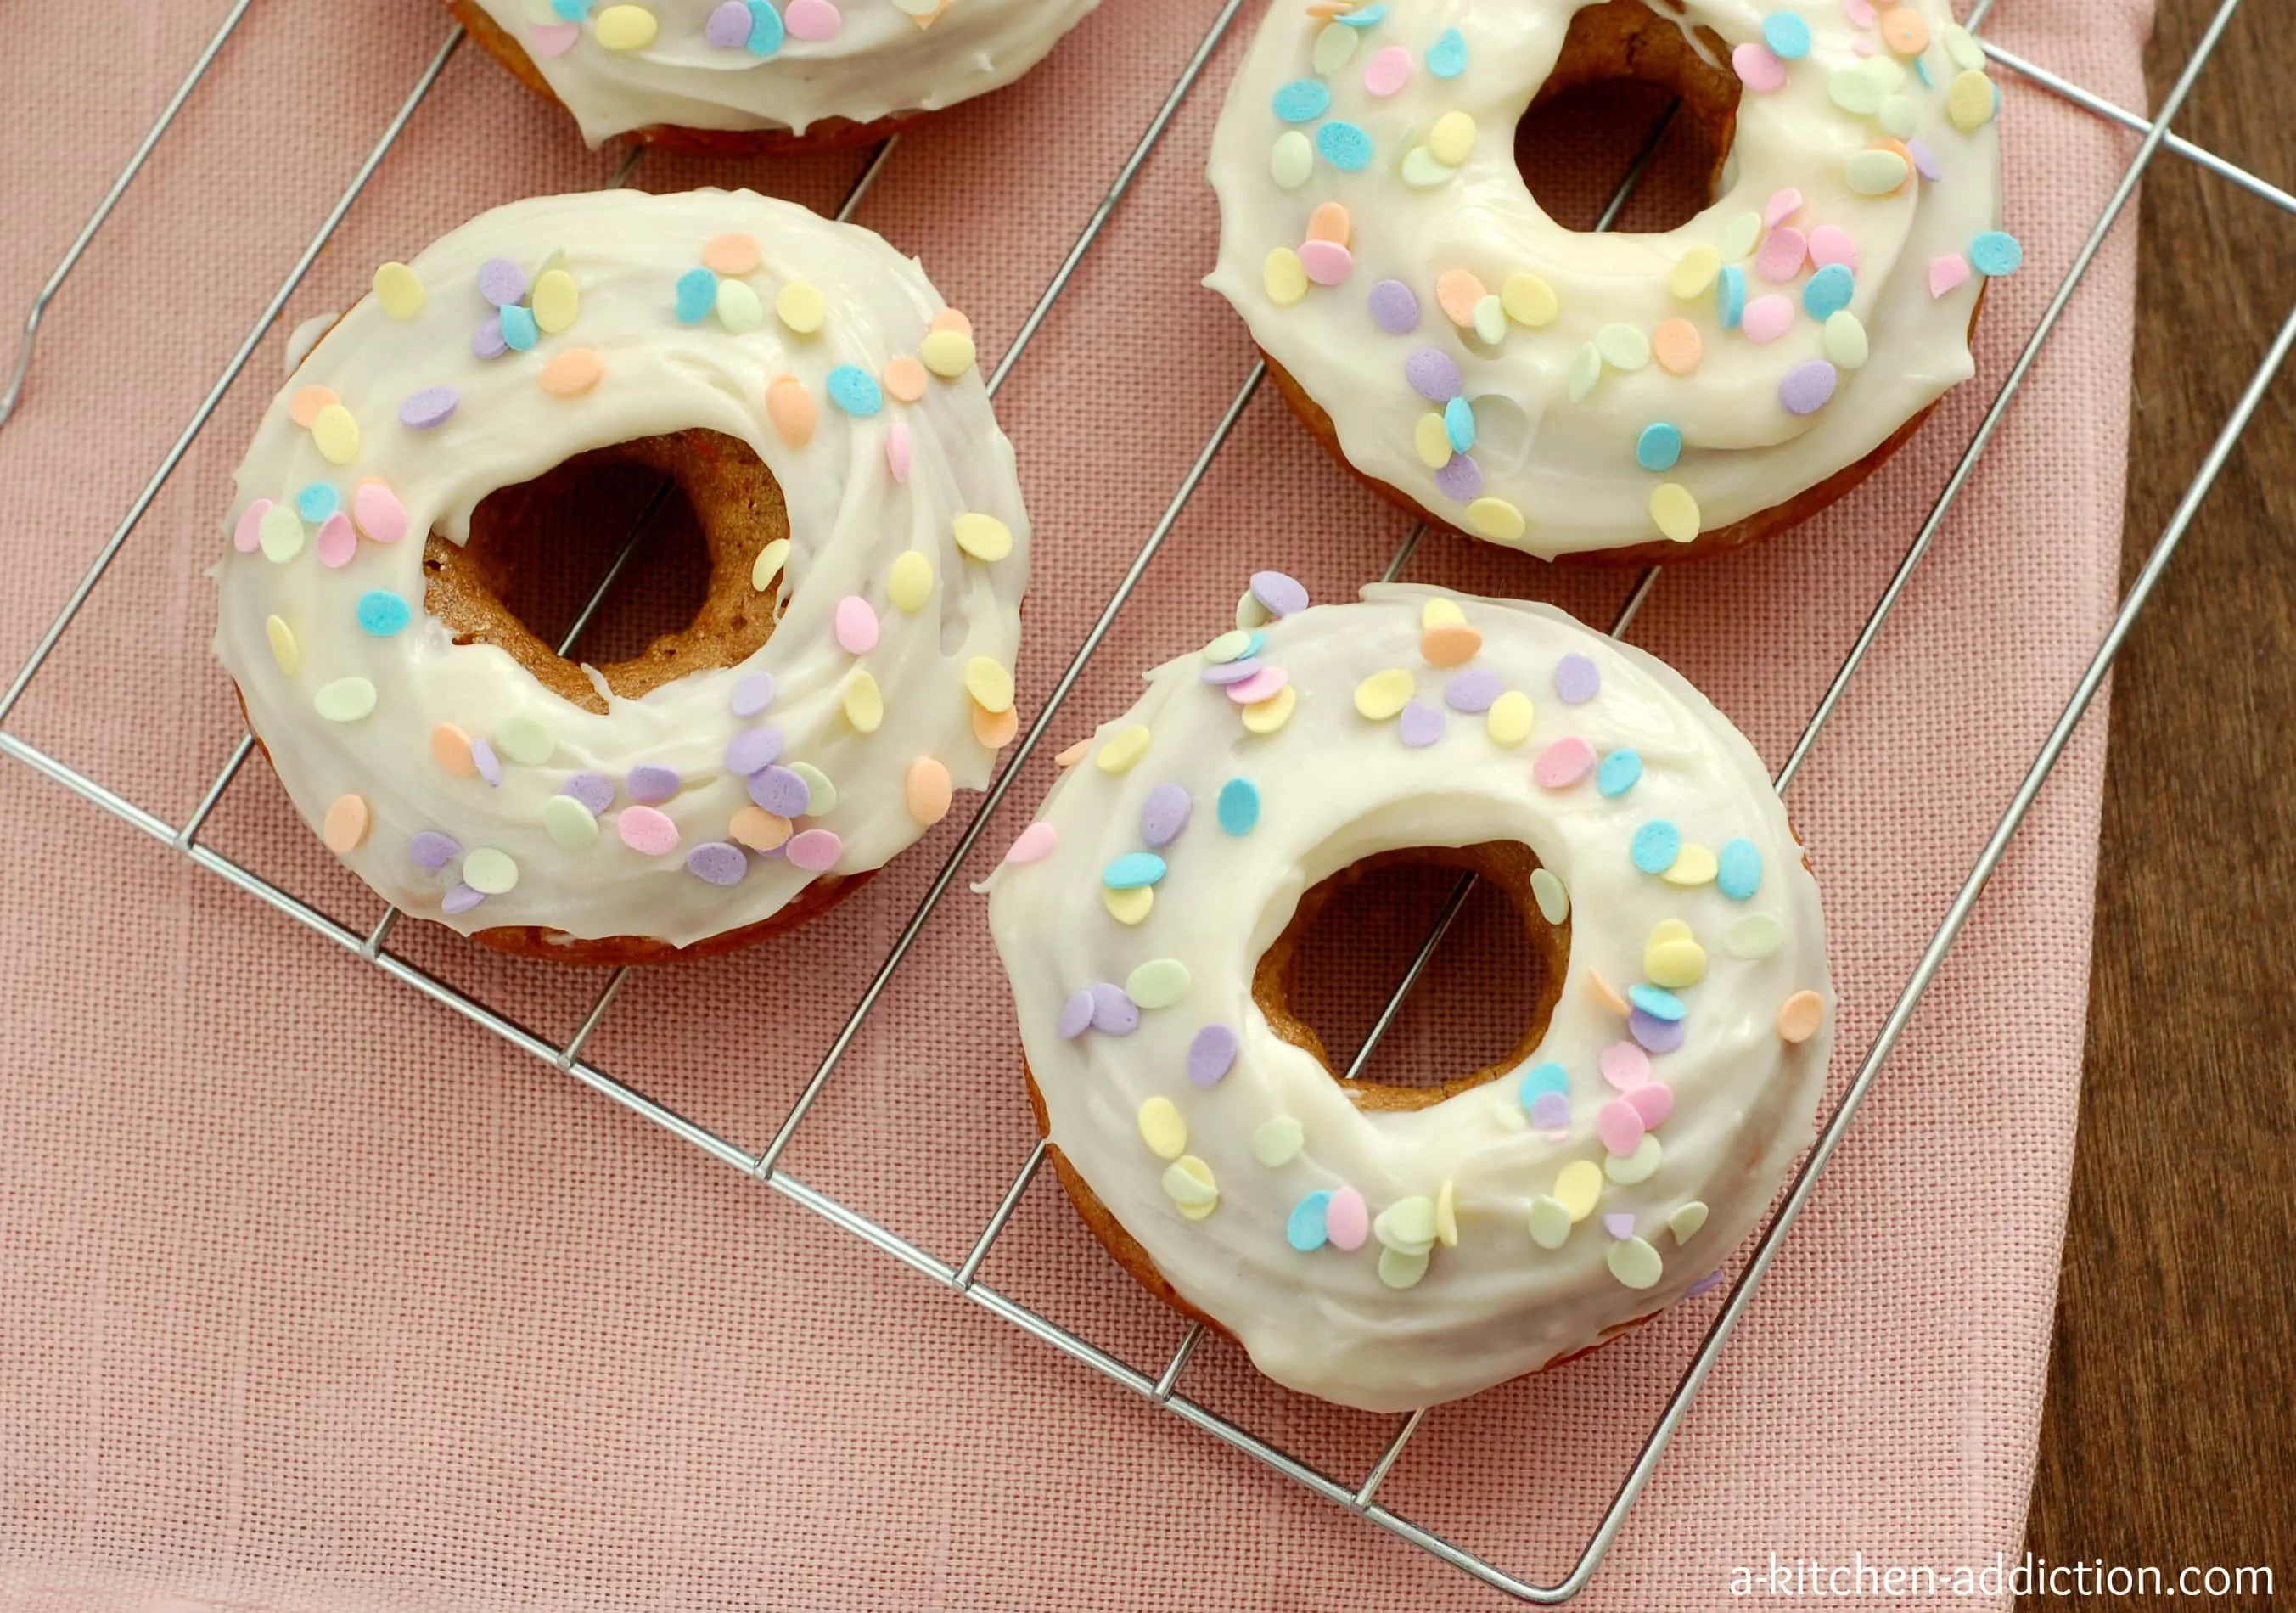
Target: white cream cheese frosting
[(1392, 1259), (1564, 392), (776, 64), (445, 774)]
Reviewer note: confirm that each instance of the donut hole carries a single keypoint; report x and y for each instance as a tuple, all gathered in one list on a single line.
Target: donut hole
[(1624, 65), (702, 506), (1485, 998)]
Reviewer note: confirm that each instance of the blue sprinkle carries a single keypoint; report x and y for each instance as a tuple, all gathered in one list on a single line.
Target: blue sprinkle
[(1658, 447), (1459, 424), (1619, 772), (1257, 643), (1995, 253), (318, 501), (572, 11), (1740, 875), (519, 328), (382, 613), (1132, 870), (1344, 146), (1303, 101), (1922, 71), (1786, 35), (764, 28), (1657, 844), (1730, 296), (1656, 1004), (1238, 806), (1305, 1231), (697, 294), (1363, 16), (1447, 58), (1829, 290), (1544, 1078), (853, 389)]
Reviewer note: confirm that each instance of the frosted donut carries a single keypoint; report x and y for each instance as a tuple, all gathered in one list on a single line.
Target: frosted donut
[(731, 77), (1643, 396), (850, 668), (1389, 1247)]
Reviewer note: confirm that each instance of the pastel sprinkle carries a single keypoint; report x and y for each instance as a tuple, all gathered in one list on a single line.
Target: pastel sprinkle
[(1420, 725), (1675, 511), (501, 282), (1189, 1183), (1130, 907), (344, 700), (989, 683), (855, 624), (377, 512), (399, 290), (1383, 695), (854, 391), (752, 751), (1808, 387), (1678, 346), (1292, 160), (1799, 1016), (344, 828), (1123, 750), (1302, 101), (284, 651), (761, 831), (1779, 258), (1784, 204), (1389, 70), (1269, 716), (1577, 679), (572, 372), (1579, 1185), (1335, 48), (1767, 318), (815, 851), (1657, 1002), (1494, 519), (1786, 35), (1946, 272), (1636, 1263), (1754, 937), (1344, 145), (1548, 891), (1829, 290), (863, 702), (490, 872), (1113, 1014), (1685, 1221), (594, 791), (716, 862), (1656, 844), (762, 571), (1970, 100), (1730, 295), (1472, 691), (1875, 172), (1238, 806), (1564, 763), (1508, 723), (1133, 870), (1394, 308), (1844, 340), (1995, 253), (1623, 347), (337, 541), (909, 583), (431, 850), (1447, 58), (1346, 1219), (1738, 873), (1528, 300), (1211, 1055), (626, 27), (1452, 138), (1694, 272), (1076, 1016), (1305, 1229), (569, 823), (1033, 844), (1619, 772), (812, 20), (1163, 1129), (520, 332), (1158, 983), (1325, 262), (336, 434), (1759, 68), (557, 300), (382, 613), (1658, 447), (1432, 375), (460, 899), (948, 353), (1550, 1218)]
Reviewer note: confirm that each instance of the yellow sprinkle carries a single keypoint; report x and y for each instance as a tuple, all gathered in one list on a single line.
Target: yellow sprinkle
[(1844, 338), (336, 434), (1670, 929), (1963, 49), (1188, 1182), (1623, 347), (1249, 613), (1402, 1269), (1740, 235), (1163, 1129), (983, 536), (738, 308), (769, 562), (1439, 612), (1675, 964), (1675, 511), (1128, 907), (948, 354), (802, 307), (1579, 1185), (1640, 1165), (1335, 48), (489, 872), (1494, 519), (1452, 138), (1292, 160), (1284, 276), (1122, 752), (281, 533), (1433, 439), (990, 684), (1969, 101), (284, 650), (1508, 721), (627, 27), (344, 827), (865, 702), (1382, 694), (910, 582), (1695, 274), (557, 300), (1685, 1221), (1269, 715), (1550, 1222), (1693, 865), (399, 291), (1633, 1262), (1528, 300), (1446, 1214)]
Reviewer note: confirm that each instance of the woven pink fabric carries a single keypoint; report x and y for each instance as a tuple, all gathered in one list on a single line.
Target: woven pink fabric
[(318, 1297)]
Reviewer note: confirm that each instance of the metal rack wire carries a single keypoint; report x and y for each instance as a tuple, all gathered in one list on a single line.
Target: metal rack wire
[(962, 1278)]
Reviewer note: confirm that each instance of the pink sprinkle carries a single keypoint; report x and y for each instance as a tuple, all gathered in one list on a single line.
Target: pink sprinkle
[(1564, 763), (1830, 244), (1621, 1127), (337, 541), (1327, 262), (554, 38), (379, 514), (1948, 272), (1261, 686), (812, 20), (1861, 47), (1860, 12), (1387, 71), (1346, 1221), (1653, 1102), (815, 850), (1781, 206), (856, 625), (1759, 68), (1034, 844), (896, 451), (645, 829), (1624, 1066), (1767, 319), (247, 537), (1780, 255)]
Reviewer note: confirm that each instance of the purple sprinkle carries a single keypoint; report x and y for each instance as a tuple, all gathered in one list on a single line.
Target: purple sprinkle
[(1164, 814), (728, 28), (1619, 1224), (717, 862), (1113, 1012), (1472, 690), (1704, 1284), (650, 783), (1394, 308), (487, 342), (1925, 163), (431, 850), (1432, 375), (594, 791), (461, 899), (1551, 1110), (489, 765), (431, 406), (753, 693), (1806, 387), (1232, 672), (753, 748), (501, 282), (1279, 595), (1577, 679), (1461, 480), (1657, 1036), (1211, 1055), (780, 792), (1076, 1016), (1420, 725)]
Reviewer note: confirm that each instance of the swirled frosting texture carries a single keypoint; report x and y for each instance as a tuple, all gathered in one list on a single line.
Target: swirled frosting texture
[(1393, 1259), (1610, 389), (347, 680), (708, 65)]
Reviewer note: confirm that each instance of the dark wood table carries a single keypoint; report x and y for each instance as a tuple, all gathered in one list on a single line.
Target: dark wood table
[(2169, 1435)]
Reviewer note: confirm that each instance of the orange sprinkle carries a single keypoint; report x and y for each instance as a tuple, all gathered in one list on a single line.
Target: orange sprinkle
[(996, 729), (304, 406), (1457, 293), (757, 828), (572, 372), (905, 378), (1801, 1014), (949, 319), (1331, 8), (450, 748), (926, 790), (1677, 345), (734, 254), (1607, 995), (791, 409), (346, 823), (1904, 31), (1449, 644), (1075, 753), (1330, 222)]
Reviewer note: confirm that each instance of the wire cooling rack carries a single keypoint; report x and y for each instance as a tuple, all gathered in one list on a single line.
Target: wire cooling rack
[(1358, 1494)]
